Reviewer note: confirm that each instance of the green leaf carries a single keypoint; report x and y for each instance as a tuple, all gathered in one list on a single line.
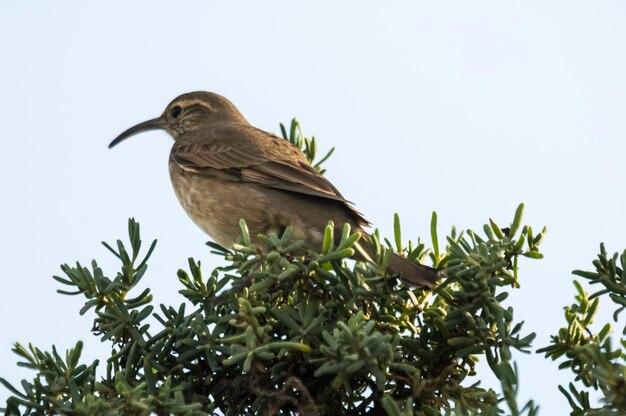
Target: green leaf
[(397, 232), (433, 235), (517, 220)]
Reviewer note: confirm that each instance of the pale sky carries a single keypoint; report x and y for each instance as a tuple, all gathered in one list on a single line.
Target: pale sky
[(465, 108)]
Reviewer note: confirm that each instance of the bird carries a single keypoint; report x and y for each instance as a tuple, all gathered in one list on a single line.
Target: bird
[(224, 169)]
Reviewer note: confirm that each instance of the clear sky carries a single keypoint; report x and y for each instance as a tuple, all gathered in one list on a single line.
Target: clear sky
[(466, 108)]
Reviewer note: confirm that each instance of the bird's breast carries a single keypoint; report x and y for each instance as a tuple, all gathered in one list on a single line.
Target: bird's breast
[(216, 204)]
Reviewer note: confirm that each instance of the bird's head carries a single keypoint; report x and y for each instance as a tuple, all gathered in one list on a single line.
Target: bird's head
[(186, 113)]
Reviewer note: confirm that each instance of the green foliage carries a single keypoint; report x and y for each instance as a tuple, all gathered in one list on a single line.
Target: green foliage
[(307, 145), (590, 355), (278, 333)]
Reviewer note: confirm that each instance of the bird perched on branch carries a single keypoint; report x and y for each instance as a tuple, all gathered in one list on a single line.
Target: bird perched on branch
[(224, 169)]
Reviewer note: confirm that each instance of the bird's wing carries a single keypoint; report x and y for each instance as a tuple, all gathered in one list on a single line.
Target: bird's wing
[(277, 167), (296, 177), (264, 159)]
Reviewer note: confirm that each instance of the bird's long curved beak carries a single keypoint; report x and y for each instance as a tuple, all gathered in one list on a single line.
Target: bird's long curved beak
[(155, 123)]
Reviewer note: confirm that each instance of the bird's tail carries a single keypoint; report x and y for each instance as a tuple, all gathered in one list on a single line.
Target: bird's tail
[(413, 274), (410, 273)]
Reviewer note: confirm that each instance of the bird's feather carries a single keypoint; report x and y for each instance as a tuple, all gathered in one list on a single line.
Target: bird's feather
[(260, 158)]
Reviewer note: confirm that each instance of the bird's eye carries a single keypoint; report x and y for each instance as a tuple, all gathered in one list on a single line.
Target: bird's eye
[(175, 112)]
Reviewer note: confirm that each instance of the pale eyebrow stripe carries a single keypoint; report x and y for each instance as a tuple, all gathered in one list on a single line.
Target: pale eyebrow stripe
[(187, 103)]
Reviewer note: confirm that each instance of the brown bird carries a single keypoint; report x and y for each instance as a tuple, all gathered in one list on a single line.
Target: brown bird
[(224, 169)]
